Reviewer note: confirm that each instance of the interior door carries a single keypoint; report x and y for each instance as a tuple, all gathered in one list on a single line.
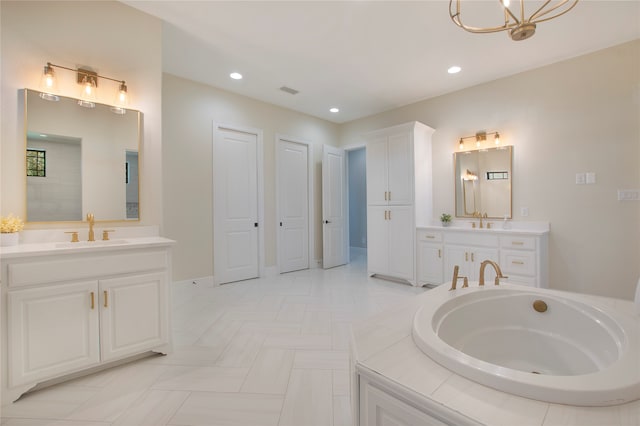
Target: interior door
[(235, 206), (293, 205), (334, 207)]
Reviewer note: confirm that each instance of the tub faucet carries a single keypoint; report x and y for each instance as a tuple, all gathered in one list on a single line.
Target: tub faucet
[(495, 266), (454, 280), (91, 220)]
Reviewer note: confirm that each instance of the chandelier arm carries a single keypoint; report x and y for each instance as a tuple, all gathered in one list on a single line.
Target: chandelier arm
[(455, 17), (508, 11), (535, 14), (554, 8)]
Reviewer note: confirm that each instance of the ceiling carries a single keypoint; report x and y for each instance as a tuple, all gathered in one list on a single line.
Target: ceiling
[(366, 57)]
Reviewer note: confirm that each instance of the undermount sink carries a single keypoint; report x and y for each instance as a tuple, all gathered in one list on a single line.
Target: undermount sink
[(98, 243)]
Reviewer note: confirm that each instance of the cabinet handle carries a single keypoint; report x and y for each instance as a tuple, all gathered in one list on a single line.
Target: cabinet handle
[(93, 300), (472, 259), (389, 195), (389, 214), (466, 256), (431, 237), (106, 299), (517, 243), (385, 215), (385, 195), (517, 262), (439, 253)]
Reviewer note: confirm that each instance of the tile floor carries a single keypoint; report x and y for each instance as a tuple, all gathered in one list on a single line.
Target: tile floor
[(271, 351)]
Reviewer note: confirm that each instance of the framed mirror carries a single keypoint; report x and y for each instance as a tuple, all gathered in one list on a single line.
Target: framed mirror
[(80, 160), (483, 182)]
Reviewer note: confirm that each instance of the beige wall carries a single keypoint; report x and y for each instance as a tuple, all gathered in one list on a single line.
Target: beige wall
[(580, 115), (113, 39), (189, 111)]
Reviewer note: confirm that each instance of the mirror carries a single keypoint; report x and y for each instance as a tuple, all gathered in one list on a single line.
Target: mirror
[(80, 160), (483, 182)]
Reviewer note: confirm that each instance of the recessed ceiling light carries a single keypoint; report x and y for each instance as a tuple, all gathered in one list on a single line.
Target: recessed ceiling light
[(235, 75), (334, 109), (454, 69)]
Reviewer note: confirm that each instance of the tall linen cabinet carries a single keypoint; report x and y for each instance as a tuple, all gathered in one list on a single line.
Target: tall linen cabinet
[(399, 197)]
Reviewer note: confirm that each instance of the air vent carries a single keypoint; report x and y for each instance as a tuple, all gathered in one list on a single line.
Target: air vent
[(289, 90)]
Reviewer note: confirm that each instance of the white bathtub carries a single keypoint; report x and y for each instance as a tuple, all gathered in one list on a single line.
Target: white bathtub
[(577, 352)]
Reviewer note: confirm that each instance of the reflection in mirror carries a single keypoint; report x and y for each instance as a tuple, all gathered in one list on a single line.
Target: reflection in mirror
[(75, 161), (483, 182)]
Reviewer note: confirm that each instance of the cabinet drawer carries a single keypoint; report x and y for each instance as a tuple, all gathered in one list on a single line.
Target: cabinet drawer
[(516, 242), (429, 236), (518, 262), (78, 268), (471, 239)]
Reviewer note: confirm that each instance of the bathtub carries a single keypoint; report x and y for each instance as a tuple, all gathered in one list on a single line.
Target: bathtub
[(568, 349)]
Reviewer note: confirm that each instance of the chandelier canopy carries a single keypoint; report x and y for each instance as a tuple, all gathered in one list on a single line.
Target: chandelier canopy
[(520, 26)]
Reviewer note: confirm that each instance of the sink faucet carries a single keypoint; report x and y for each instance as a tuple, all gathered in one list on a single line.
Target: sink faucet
[(454, 280), (495, 266), (91, 221), (479, 216)]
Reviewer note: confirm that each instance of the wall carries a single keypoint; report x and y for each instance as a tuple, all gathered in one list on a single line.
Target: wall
[(189, 112), (578, 115), (111, 38), (357, 161)]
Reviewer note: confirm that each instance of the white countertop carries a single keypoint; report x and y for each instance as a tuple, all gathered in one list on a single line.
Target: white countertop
[(384, 344), (513, 227), (59, 248)]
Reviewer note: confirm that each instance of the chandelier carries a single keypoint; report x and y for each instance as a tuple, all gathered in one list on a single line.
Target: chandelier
[(515, 21)]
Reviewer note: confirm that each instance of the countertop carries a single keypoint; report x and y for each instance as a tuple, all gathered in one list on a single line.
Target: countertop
[(384, 344)]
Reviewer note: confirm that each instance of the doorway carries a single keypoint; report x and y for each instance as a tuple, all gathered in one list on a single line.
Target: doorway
[(357, 190)]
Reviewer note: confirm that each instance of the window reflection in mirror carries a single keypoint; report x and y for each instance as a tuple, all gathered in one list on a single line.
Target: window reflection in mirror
[(483, 182), (90, 157)]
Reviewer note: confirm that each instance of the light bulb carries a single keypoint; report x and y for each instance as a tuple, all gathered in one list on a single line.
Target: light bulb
[(88, 94), (497, 138), (461, 145), (121, 101), (48, 84)]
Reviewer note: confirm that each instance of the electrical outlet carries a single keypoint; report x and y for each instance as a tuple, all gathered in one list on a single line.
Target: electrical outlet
[(628, 194), (524, 211)]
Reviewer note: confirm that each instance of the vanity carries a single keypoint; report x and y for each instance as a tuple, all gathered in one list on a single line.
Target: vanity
[(521, 252), (77, 307)]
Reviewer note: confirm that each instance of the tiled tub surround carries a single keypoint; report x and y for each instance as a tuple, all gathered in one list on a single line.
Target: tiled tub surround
[(386, 361)]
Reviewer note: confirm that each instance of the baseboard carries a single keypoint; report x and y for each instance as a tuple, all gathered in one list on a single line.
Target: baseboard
[(208, 281)]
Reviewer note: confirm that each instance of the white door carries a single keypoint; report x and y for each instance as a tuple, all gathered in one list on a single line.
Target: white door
[(334, 208), (293, 205), (377, 240), (235, 206)]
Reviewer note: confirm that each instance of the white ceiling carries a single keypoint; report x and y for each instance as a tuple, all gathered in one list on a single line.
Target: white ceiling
[(366, 57)]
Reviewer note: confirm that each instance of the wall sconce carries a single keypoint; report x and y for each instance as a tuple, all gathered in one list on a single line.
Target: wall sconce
[(89, 81), (480, 137)]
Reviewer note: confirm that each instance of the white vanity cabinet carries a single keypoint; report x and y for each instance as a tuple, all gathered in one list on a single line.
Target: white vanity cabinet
[(398, 197), (429, 257), (71, 310), (521, 254)]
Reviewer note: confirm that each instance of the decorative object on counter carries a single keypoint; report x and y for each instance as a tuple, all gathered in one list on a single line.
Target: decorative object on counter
[(515, 21), (445, 219), (10, 226)]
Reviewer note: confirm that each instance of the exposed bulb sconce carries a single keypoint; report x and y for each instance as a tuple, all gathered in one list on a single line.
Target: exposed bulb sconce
[(89, 82), (480, 137)]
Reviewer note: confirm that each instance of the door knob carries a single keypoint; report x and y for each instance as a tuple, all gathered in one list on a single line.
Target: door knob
[(326, 221)]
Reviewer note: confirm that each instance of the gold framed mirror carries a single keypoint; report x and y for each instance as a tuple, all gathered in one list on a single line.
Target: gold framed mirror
[(80, 160)]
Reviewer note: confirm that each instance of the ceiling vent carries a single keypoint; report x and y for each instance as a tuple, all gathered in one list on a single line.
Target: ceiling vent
[(289, 90)]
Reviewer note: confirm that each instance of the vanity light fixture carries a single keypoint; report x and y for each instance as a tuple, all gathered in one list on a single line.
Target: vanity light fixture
[(520, 26), (89, 81), (480, 137)]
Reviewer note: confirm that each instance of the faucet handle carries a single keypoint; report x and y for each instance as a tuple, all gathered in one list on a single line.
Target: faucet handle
[(74, 236), (105, 234)]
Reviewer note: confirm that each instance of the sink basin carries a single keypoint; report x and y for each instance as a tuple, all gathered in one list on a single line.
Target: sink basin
[(99, 243)]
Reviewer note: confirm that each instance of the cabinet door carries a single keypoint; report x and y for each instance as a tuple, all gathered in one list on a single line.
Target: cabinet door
[(430, 263), (377, 240), (400, 169), (382, 409), (401, 242), (133, 314), (52, 331), (377, 190), (457, 255)]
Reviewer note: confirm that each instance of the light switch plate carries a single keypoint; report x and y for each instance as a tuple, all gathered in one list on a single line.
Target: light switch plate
[(628, 194), (580, 178), (591, 178)]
